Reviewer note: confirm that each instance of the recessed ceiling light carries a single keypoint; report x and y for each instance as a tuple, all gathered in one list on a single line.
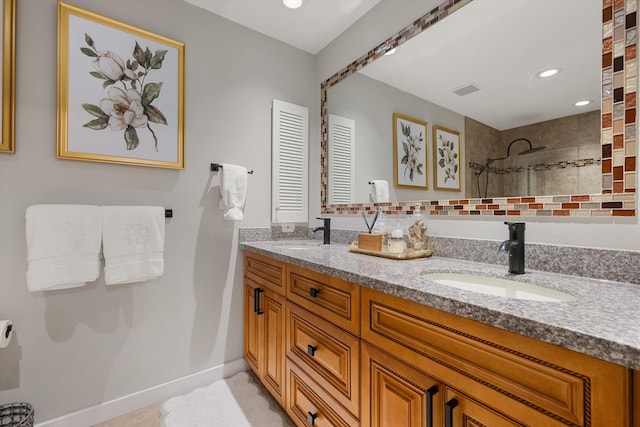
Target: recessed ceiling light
[(292, 4), (548, 72), (582, 103), (390, 52)]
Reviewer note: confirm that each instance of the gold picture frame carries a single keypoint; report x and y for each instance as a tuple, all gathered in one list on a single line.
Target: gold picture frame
[(7, 145), (120, 92), (409, 152), (447, 173)]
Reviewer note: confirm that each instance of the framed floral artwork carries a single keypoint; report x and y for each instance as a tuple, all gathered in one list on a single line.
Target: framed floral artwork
[(120, 92), (409, 152), (446, 158), (7, 144)]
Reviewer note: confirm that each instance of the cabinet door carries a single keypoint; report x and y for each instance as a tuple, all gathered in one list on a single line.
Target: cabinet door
[(397, 395), (461, 411), (274, 344), (252, 327), (264, 336)]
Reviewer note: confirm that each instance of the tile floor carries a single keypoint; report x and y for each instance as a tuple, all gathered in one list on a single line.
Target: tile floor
[(148, 416)]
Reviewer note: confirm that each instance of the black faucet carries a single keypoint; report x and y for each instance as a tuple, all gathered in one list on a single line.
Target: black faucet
[(326, 228), (515, 247)]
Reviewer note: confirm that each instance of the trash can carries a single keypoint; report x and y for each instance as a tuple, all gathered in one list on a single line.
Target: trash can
[(18, 414)]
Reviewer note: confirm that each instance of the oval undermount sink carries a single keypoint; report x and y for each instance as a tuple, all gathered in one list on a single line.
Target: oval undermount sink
[(300, 246), (498, 287)]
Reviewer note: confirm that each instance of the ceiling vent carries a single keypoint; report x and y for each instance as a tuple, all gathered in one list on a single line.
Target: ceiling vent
[(466, 89)]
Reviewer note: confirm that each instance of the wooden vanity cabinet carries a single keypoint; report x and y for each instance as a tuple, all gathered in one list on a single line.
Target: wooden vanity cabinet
[(399, 395), (395, 394), (333, 299), (329, 353), (508, 378), (323, 349), (264, 322), (463, 411), (336, 354), (310, 405)]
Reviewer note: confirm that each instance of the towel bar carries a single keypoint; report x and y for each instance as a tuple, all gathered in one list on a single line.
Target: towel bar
[(215, 167)]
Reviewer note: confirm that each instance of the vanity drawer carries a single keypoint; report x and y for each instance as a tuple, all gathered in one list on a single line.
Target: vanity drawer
[(533, 382), (310, 405), (265, 271), (332, 299), (327, 353)]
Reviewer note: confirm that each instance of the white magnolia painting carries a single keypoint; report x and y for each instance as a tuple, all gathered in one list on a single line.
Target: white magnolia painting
[(121, 93), (410, 151)]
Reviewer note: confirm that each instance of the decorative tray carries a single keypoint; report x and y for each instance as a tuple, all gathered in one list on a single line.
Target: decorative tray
[(407, 254)]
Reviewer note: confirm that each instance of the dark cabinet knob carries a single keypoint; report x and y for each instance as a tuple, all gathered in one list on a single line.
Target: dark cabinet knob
[(311, 418), (314, 292), (311, 349)]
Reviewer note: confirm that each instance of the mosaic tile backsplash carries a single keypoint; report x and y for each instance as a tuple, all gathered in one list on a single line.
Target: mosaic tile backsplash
[(618, 139)]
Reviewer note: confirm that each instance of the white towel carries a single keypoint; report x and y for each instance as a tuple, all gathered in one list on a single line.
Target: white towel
[(379, 191), (63, 246), (133, 243), (233, 191)]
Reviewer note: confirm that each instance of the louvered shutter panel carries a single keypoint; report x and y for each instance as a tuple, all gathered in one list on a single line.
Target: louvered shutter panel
[(342, 138), (290, 162)]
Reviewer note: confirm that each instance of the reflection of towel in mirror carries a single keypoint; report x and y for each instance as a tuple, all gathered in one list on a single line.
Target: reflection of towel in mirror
[(63, 246), (133, 243), (379, 190), (233, 191)]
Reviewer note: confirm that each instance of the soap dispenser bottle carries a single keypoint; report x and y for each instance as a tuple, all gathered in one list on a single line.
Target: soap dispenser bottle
[(396, 242)]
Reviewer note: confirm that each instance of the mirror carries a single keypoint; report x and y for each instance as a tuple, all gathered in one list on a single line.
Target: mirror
[(502, 113)]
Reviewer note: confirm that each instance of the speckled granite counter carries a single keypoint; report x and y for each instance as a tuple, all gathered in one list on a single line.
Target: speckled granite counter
[(603, 322)]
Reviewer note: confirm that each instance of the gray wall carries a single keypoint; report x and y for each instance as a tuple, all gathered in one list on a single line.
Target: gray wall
[(76, 348), (372, 104)]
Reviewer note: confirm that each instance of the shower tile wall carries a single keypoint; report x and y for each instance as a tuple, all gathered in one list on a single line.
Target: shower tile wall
[(570, 164)]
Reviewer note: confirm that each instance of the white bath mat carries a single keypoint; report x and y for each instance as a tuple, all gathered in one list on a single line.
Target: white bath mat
[(239, 401)]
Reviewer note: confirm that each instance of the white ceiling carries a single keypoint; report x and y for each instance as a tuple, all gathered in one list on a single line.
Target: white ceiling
[(310, 27), (497, 45)]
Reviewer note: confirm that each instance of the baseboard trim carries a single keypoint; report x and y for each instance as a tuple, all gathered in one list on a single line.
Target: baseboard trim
[(122, 405)]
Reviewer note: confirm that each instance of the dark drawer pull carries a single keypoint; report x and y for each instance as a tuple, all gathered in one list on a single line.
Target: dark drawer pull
[(256, 300), (311, 349), (311, 418), (314, 292), (448, 412), (430, 392)]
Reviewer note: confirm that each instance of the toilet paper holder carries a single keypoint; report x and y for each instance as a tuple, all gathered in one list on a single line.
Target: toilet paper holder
[(6, 326)]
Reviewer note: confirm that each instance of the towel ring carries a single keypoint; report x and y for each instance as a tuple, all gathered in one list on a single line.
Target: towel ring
[(215, 167)]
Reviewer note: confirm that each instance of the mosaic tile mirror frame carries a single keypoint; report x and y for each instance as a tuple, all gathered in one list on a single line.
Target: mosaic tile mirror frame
[(618, 131)]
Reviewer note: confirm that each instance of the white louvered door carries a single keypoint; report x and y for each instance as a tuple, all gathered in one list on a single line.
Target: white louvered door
[(342, 150), (289, 162)]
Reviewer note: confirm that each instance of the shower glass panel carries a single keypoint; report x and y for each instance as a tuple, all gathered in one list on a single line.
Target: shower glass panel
[(571, 170)]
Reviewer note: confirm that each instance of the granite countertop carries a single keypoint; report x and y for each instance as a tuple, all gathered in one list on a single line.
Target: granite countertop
[(603, 321)]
